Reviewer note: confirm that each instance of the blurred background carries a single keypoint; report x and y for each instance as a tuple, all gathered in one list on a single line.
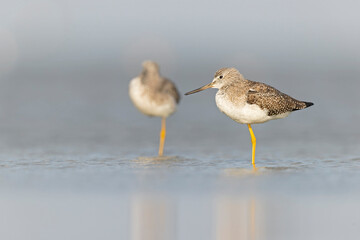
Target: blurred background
[(73, 148), (65, 65)]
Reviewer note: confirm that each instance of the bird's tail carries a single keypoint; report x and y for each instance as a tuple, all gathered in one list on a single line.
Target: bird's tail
[(301, 105), (308, 104)]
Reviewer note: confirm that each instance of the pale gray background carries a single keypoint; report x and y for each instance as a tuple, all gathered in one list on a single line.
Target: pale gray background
[(73, 149), (65, 65)]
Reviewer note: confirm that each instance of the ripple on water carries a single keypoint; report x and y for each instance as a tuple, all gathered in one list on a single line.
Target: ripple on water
[(257, 171)]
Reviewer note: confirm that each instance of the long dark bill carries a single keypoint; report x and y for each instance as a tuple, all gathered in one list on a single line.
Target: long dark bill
[(200, 89)]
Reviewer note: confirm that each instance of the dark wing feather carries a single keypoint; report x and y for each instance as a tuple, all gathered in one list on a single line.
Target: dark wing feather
[(170, 88), (276, 102)]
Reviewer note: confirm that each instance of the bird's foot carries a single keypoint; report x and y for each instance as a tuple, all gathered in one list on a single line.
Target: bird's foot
[(255, 169)]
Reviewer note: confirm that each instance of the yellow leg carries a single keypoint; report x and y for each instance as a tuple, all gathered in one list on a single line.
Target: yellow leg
[(162, 136), (253, 141)]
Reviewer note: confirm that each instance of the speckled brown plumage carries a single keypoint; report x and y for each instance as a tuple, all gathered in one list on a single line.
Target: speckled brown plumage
[(276, 102), (155, 96), (249, 102), (151, 77), (170, 88), (238, 89)]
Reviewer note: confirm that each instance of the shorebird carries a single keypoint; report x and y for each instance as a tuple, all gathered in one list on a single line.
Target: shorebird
[(154, 95), (250, 102)]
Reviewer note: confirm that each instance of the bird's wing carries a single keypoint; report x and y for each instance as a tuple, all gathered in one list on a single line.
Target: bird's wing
[(276, 102), (170, 88)]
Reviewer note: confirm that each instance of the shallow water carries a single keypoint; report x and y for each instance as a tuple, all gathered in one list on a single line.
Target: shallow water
[(77, 160), (301, 190)]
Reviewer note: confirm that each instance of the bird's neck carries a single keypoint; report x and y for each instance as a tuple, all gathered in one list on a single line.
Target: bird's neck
[(236, 82), (151, 78)]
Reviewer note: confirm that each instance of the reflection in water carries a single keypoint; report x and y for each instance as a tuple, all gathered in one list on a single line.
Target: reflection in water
[(252, 220), (155, 159), (242, 172), (152, 218), (158, 160), (236, 218)]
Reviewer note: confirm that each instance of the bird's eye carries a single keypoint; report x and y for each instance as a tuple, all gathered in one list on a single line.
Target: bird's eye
[(221, 76)]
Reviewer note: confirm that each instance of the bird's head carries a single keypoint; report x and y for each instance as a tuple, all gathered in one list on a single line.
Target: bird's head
[(150, 71), (150, 66), (223, 77)]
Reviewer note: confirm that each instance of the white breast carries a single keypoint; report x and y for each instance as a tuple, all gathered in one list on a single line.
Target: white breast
[(145, 102), (242, 112)]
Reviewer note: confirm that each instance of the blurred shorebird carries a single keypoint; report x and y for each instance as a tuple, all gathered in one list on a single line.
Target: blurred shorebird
[(250, 102), (154, 95)]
